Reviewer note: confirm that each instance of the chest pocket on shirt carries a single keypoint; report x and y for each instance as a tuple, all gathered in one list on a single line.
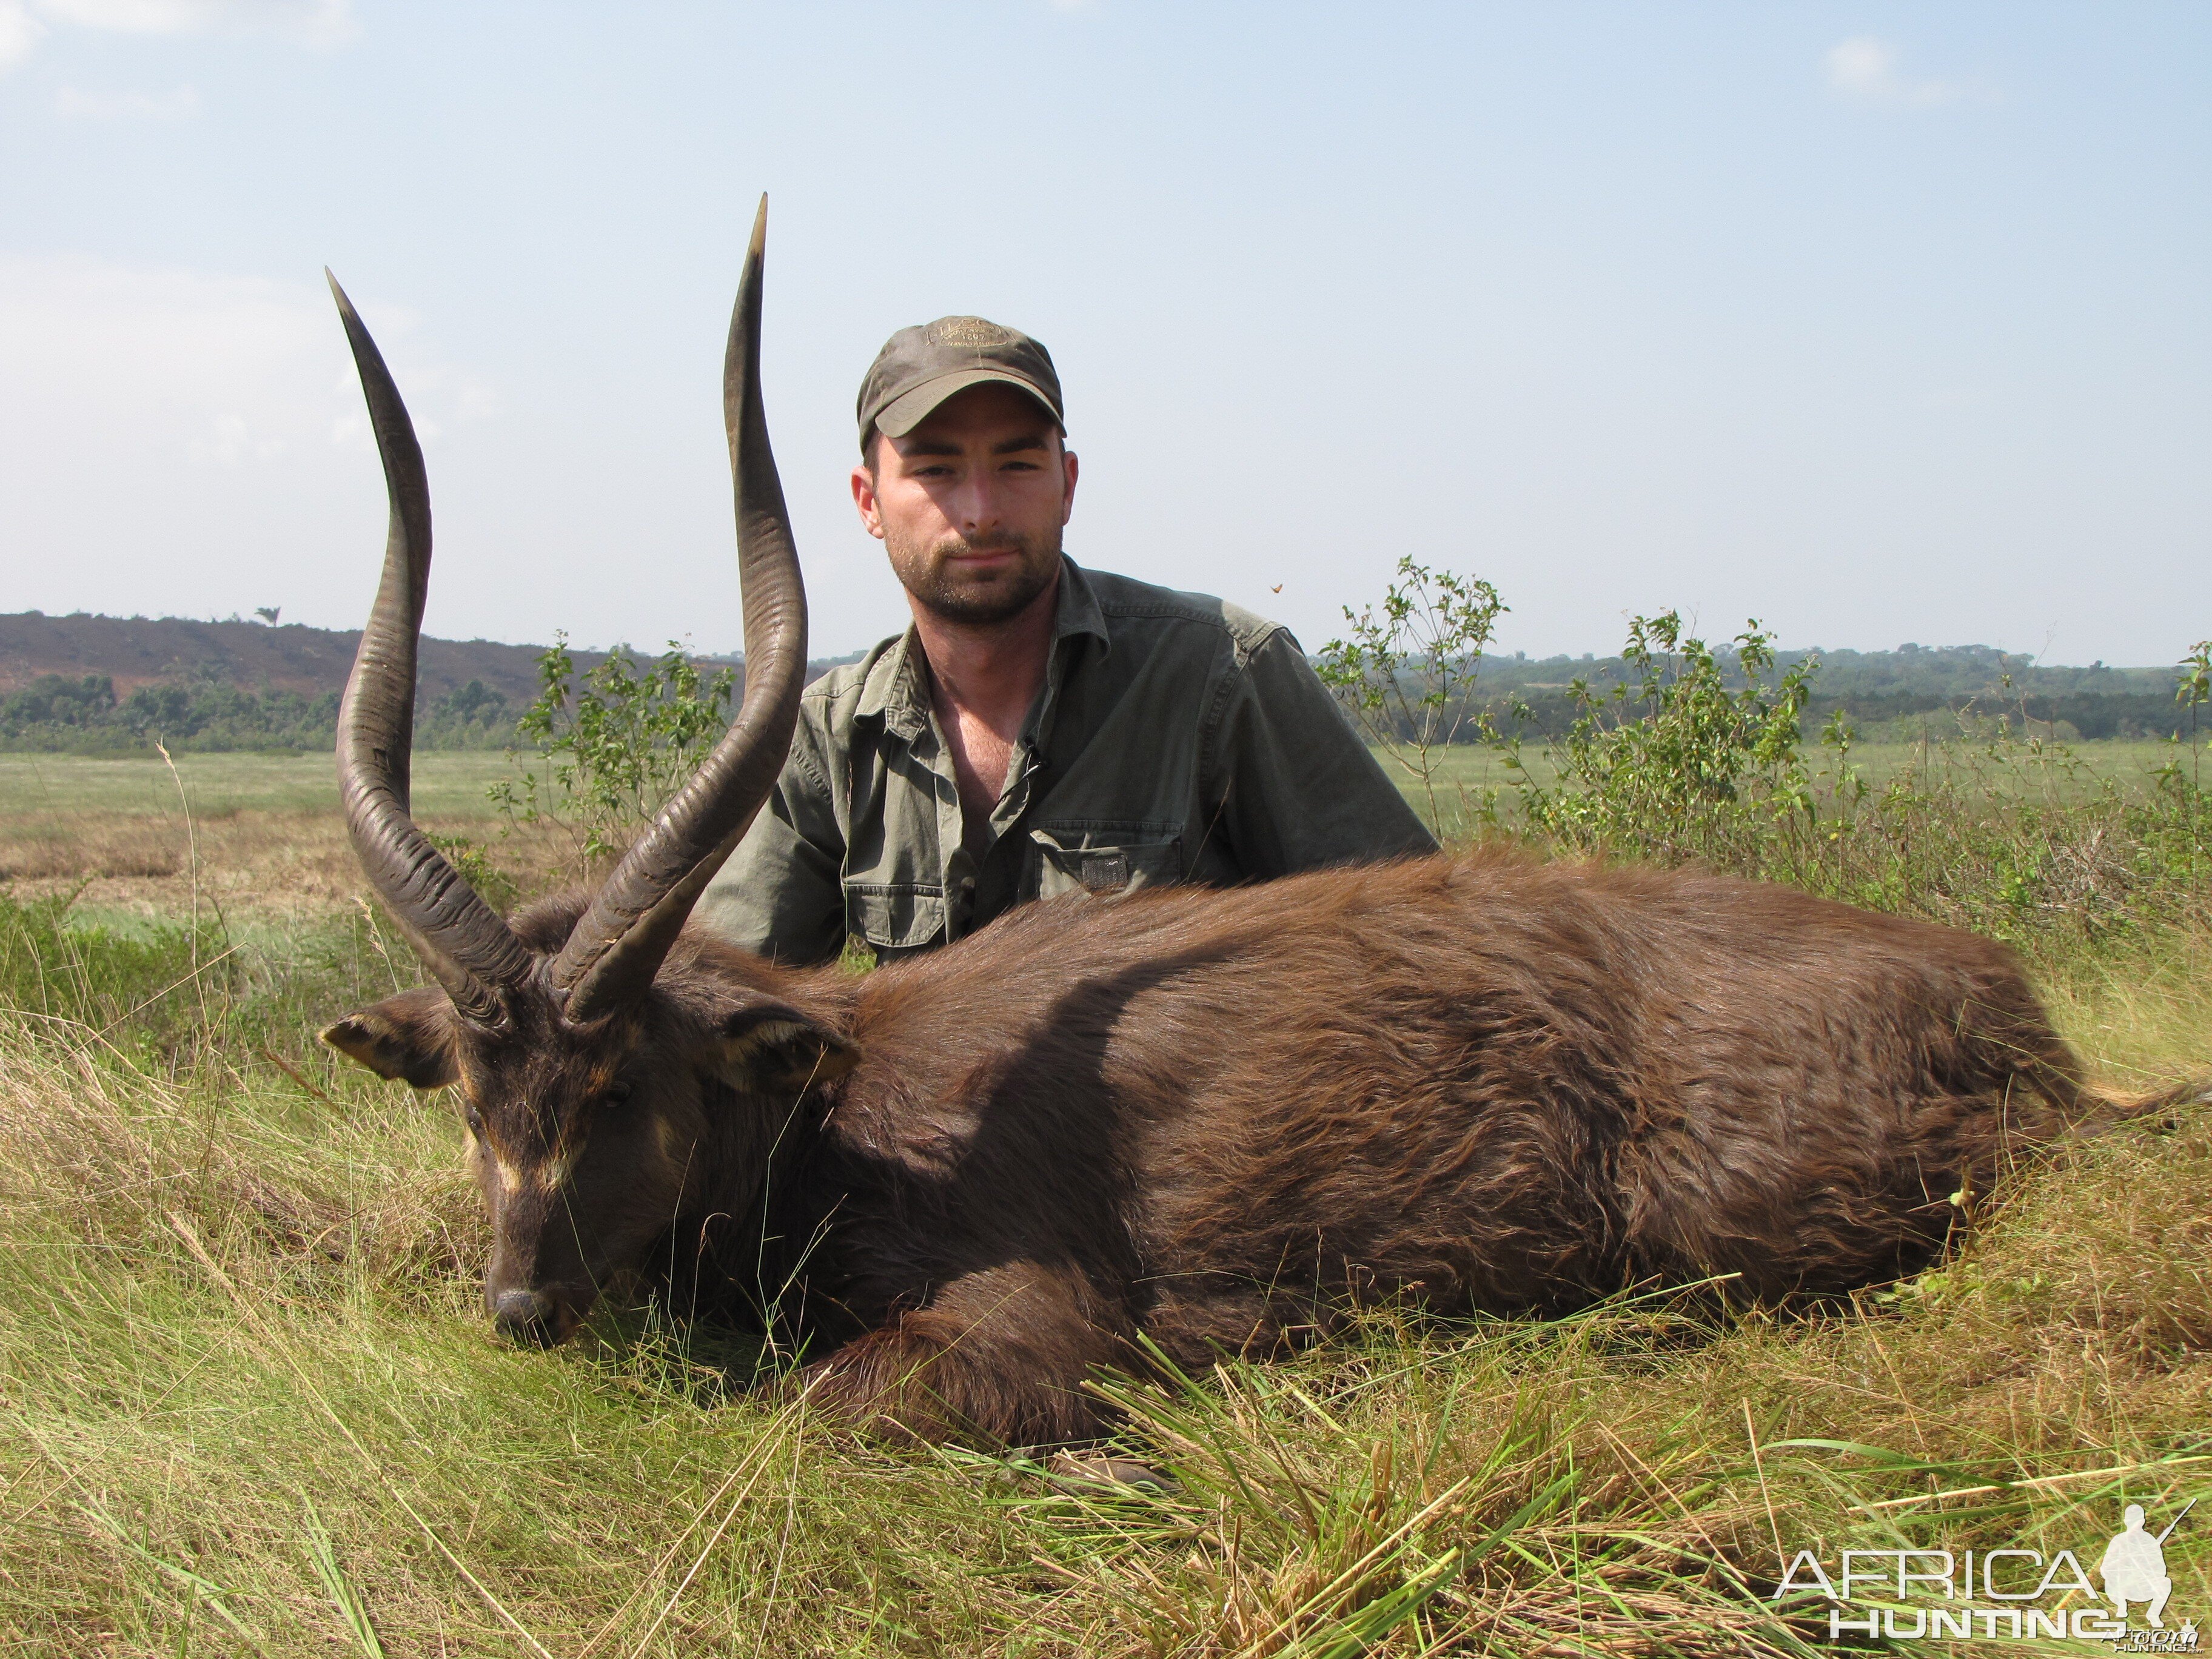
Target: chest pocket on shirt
[(893, 915), (1101, 858)]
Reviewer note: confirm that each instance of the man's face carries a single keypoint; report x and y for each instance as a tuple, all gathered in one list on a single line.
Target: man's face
[(970, 504)]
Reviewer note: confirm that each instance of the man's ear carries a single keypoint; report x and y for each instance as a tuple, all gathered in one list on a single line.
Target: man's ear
[(771, 1047), (408, 1037)]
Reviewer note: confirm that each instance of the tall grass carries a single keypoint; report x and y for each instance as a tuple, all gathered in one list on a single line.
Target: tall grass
[(248, 1404), (145, 987)]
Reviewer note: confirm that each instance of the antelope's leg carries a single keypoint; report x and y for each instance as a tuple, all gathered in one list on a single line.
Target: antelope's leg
[(998, 1357)]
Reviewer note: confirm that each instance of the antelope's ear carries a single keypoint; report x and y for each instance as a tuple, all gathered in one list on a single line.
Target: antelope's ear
[(771, 1047), (408, 1038)]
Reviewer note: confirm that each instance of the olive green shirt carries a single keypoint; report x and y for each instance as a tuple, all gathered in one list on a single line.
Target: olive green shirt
[(1176, 739)]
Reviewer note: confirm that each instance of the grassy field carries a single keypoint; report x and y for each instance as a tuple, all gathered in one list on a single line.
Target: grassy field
[(448, 784), (248, 1403), (451, 785), (255, 839), (2129, 764), (1462, 773), (273, 842)]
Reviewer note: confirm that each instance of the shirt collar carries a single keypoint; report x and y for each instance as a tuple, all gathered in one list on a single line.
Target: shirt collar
[(892, 690), (1077, 611)]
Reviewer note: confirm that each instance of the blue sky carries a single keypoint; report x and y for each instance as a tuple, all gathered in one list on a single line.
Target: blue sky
[(1877, 322)]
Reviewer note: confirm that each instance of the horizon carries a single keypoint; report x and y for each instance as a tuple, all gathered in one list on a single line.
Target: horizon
[(736, 653), (1869, 322)]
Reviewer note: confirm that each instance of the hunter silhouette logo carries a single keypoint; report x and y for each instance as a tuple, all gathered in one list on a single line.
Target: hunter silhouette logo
[(2023, 1596), (2134, 1567)]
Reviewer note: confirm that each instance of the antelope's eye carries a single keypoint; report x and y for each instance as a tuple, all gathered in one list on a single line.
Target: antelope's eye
[(615, 1094)]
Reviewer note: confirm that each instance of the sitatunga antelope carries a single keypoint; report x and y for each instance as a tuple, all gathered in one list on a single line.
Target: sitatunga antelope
[(1215, 1119)]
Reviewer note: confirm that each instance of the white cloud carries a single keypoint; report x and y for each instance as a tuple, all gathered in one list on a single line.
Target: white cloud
[(1869, 68), (19, 32), (126, 105), (307, 23), (319, 22), (231, 441)]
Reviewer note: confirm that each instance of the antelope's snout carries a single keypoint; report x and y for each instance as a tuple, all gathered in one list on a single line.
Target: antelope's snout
[(533, 1318)]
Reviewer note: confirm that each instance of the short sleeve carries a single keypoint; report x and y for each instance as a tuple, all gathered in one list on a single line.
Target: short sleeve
[(1297, 788)]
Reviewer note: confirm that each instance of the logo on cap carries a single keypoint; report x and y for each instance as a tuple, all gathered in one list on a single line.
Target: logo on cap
[(970, 332)]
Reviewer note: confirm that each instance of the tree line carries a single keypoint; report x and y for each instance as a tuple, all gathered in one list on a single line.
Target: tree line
[(1884, 694), (190, 713)]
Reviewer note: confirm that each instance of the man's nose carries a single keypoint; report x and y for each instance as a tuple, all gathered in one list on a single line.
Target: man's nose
[(977, 505)]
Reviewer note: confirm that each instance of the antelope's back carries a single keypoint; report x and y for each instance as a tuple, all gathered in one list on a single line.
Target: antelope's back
[(1511, 1083)]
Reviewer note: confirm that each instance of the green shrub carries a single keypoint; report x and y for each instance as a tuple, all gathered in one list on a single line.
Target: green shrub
[(2014, 837), (1697, 756), (1407, 676), (1680, 766), (609, 747)]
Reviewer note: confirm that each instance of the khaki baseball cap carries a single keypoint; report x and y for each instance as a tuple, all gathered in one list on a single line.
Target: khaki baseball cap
[(920, 367)]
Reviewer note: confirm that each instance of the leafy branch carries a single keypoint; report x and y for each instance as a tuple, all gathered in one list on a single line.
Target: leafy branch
[(611, 745), (1407, 676)]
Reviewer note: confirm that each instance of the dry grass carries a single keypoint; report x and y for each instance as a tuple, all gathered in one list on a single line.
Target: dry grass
[(122, 834), (238, 1318), (254, 868), (248, 1403)]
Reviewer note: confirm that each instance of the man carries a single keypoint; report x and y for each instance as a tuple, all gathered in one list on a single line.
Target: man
[(1039, 729)]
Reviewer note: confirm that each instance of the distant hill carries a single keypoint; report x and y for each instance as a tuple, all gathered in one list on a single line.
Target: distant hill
[(137, 651), (1911, 670), (115, 685)]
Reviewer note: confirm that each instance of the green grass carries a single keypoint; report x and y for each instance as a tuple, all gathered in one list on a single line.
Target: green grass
[(249, 1403), (1474, 767), (452, 784), (251, 1406), (447, 783)]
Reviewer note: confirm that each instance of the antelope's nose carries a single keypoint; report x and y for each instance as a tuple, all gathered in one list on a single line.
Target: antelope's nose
[(527, 1316)]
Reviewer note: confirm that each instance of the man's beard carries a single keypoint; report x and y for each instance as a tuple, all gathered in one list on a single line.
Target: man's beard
[(989, 595)]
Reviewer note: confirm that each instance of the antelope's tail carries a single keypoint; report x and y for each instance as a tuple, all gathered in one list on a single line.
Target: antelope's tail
[(2110, 1108)]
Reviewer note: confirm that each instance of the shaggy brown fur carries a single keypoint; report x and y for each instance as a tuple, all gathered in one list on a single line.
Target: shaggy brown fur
[(1217, 1118)]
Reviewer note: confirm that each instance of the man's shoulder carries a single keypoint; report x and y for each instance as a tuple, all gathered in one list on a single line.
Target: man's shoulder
[(843, 687), (1125, 600), (830, 707)]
